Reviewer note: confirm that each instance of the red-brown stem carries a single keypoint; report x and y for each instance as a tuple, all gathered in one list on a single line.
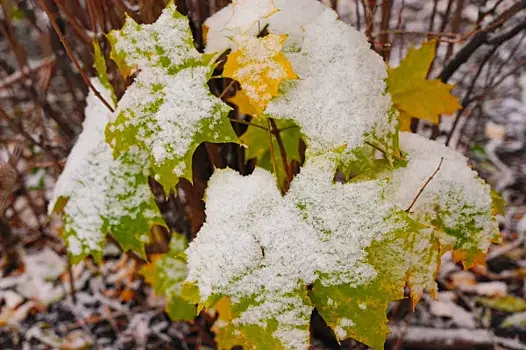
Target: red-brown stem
[(283, 152), (387, 6), (72, 57)]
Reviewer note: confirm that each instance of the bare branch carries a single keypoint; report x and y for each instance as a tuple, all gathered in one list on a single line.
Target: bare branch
[(72, 57)]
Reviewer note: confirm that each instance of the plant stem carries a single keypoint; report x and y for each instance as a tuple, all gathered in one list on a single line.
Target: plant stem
[(282, 150), (73, 59)]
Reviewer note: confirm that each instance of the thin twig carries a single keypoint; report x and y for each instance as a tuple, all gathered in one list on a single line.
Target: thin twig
[(72, 57), (72, 282), (249, 124), (425, 185)]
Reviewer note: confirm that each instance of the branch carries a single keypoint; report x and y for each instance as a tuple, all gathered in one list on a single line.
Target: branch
[(73, 59), (483, 38), (465, 100)]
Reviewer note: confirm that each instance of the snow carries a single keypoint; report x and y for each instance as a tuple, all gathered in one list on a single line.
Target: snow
[(42, 270), (169, 38), (340, 97), (291, 17), (463, 200), (184, 102), (255, 242), (101, 190)]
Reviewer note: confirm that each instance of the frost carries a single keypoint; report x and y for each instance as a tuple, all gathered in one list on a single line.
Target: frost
[(103, 195), (291, 17)]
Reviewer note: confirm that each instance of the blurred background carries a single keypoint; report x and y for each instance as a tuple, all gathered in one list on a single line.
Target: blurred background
[(46, 303)]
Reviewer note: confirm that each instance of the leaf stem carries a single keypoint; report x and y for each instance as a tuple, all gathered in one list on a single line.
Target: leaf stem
[(271, 147), (249, 123), (425, 185), (384, 152), (282, 150)]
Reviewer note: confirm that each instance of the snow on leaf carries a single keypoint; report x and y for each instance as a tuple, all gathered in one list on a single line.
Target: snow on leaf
[(169, 110), (456, 202), (167, 43), (166, 274), (281, 245), (354, 243), (245, 13), (413, 94), (259, 66), (339, 99), (258, 146), (290, 18), (99, 194)]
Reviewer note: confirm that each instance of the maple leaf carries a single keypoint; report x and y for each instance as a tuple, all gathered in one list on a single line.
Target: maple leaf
[(99, 194), (168, 111), (166, 274), (413, 94), (259, 66), (240, 99), (355, 244)]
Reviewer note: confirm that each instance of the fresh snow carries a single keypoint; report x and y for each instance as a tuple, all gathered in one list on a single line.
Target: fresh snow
[(101, 190), (290, 18)]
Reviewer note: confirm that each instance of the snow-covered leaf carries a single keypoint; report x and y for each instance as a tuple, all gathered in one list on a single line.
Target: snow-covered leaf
[(169, 110), (259, 66), (100, 195), (339, 100), (355, 244), (251, 16)]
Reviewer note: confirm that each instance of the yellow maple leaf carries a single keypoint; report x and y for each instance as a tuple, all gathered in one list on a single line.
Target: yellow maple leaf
[(413, 94), (240, 99), (259, 66)]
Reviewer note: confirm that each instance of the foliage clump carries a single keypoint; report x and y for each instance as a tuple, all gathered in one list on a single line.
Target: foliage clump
[(265, 259)]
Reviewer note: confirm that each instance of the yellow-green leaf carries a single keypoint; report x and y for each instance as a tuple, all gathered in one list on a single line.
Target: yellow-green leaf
[(413, 94), (101, 68), (166, 274), (508, 303)]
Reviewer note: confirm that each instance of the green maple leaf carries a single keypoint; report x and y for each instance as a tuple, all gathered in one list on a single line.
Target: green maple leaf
[(166, 274), (413, 94), (168, 110), (362, 240), (100, 195), (101, 68)]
